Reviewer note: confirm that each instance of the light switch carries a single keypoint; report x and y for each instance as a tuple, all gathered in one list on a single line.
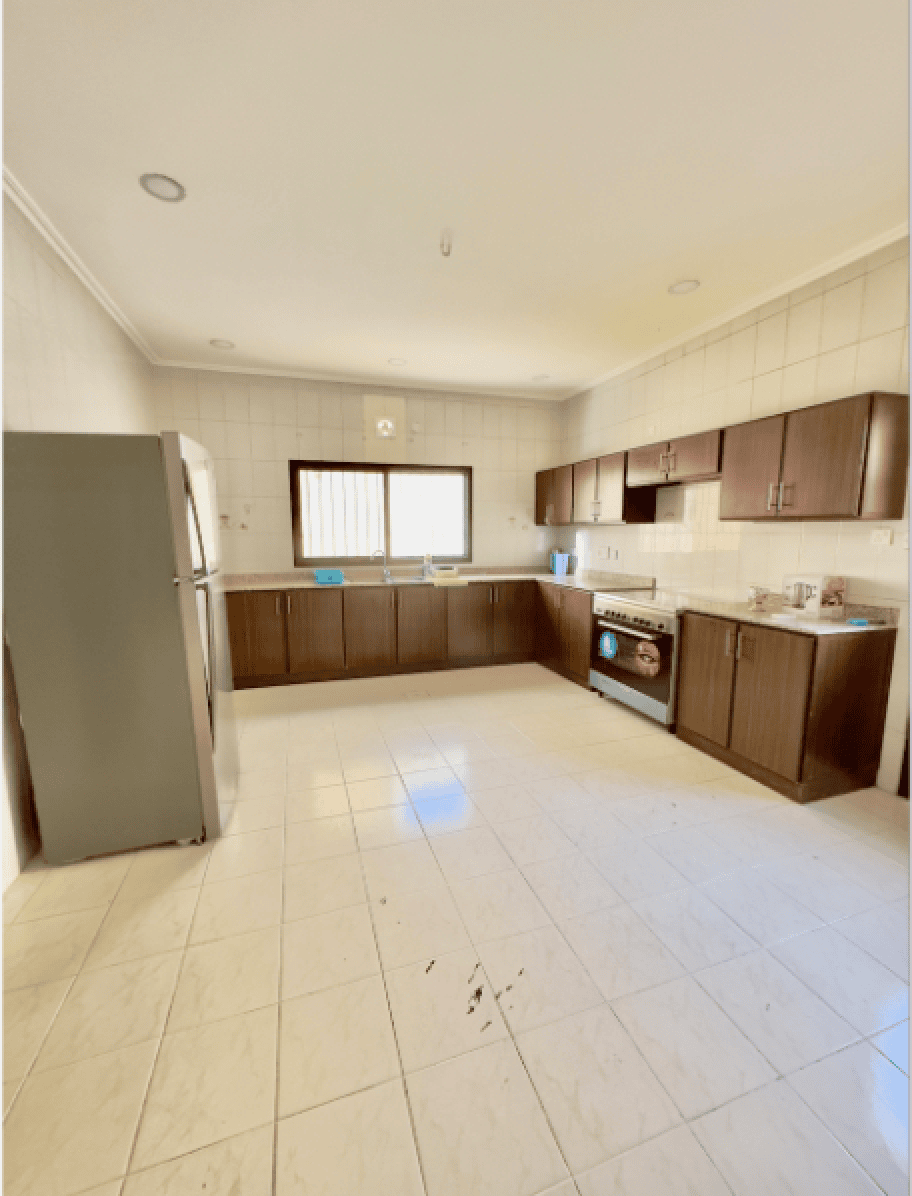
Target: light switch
[(882, 536)]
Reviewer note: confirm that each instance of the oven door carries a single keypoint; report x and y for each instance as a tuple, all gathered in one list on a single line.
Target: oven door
[(635, 667)]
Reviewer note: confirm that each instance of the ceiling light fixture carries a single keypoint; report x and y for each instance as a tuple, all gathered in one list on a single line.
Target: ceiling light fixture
[(684, 287), (397, 361), (220, 344), (541, 377), (446, 242), (161, 187)]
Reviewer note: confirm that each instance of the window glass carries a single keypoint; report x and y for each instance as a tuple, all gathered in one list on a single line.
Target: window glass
[(341, 512), (427, 513)]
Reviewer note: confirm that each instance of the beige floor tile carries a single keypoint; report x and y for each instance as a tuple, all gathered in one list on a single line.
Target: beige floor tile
[(769, 1142), (377, 793), (387, 826), (72, 1128), (314, 773), (699, 1056), (21, 891), (432, 783), (242, 855), (237, 906), (894, 1044), (785, 1021), (368, 767), (636, 871), (334, 1043), (592, 827), (329, 802), (361, 1145), (442, 1008), (75, 887), (529, 840), (264, 782), (820, 887), (239, 1166), (507, 803), (470, 853), (480, 1128), (9, 1094), (320, 886), (146, 926), (884, 933), (417, 926), (227, 977), (498, 905), (209, 1083), (27, 1017), (537, 978), (245, 817), (448, 815), (48, 949), (694, 854), (619, 951), (161, 869), (568, 886), (319, 839), (599, 1095), (327, 950), (673, 1164), (695, 931), (111, 1008), (404, 868)]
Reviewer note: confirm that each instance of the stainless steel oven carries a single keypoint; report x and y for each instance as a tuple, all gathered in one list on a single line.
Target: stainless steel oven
[(634, 654)]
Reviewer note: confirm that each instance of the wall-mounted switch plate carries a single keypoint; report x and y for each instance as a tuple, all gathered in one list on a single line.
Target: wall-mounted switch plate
[(882, 536)]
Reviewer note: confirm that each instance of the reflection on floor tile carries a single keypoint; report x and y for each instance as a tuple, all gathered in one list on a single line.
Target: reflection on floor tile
[(503, 925)]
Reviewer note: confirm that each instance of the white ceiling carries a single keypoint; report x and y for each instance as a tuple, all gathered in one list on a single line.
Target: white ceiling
[(584, 153)]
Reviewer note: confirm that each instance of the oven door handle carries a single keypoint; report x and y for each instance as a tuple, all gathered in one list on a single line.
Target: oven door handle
[(642, 635)]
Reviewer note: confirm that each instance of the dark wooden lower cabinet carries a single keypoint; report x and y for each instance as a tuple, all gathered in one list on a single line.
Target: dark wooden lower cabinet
[(469, 619), (370, 628), (315, 638), (706, 673), (576, 633), (548, 625), (256, 635), (422, 624), (513, 619)]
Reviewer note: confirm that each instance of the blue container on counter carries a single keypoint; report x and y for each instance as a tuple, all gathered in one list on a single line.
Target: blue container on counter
[(561, 563), (329, 577)]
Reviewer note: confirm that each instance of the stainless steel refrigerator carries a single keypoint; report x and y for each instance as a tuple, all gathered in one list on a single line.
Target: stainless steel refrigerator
[(114, 615)]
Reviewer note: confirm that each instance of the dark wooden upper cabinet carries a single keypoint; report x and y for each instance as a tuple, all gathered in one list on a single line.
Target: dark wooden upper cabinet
[(585, 490), (610, 493), (647, 466), (265, 619), (693, 458), (770, 706), (751, 454), (563, 495), (887, 464), (576, 632), (469, 621), (823, 460), (238, 638), (544, 497), (513, 619), (706, 669), (370, 627), (422, 624), (316, 642)]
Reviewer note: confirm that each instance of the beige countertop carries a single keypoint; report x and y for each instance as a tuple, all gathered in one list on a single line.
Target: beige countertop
[(739, 611), (303, 579)]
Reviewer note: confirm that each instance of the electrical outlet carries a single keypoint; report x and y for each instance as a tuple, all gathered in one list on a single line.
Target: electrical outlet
[(902, 540), (882, 536)]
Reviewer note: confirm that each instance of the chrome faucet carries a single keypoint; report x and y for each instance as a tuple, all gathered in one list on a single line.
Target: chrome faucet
[(387, 576), (427, 569)]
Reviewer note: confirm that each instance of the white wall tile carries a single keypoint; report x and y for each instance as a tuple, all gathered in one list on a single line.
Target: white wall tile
[(841, 315), (803, 332), (886, 299)]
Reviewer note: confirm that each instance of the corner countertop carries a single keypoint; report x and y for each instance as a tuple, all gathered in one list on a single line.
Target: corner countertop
[(817, 627), (364, 576)]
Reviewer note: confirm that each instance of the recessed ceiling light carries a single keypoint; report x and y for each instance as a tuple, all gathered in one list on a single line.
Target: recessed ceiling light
[(397, 361), (161, 187), (684, 287), (220, 344), (541, 377)]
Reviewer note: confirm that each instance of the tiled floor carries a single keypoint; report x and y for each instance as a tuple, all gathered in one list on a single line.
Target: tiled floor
[(469, 933)]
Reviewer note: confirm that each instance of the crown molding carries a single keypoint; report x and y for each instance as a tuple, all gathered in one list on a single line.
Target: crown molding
[(36, 217), (864, 249), (39, 221)]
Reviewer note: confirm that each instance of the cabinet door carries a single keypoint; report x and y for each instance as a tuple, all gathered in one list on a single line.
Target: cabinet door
[(370, 628), (544, 497), (265, 611), (887, 463), (548, 623), (422, 623), (750, 469), (706, 669), (646, 465), (576, 632), (238, 638), (513, 619), (772, 681), (691, 458), (585, 474), (315, 640), (611, 488), (563, 495), (469, 622), (823, 459)]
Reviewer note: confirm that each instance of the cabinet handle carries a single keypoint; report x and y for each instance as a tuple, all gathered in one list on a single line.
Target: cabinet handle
[(738, 647), (288, 604), (728, 642), (663, 468), (782, 489), (278, 608), (672, 462), (490, 595), (769, 496)]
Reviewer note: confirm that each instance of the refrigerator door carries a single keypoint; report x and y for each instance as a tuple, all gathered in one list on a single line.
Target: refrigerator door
[(192, 497), (109, 679)]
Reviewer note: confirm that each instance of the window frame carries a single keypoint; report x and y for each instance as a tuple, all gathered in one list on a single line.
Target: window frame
[(384, 468)]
